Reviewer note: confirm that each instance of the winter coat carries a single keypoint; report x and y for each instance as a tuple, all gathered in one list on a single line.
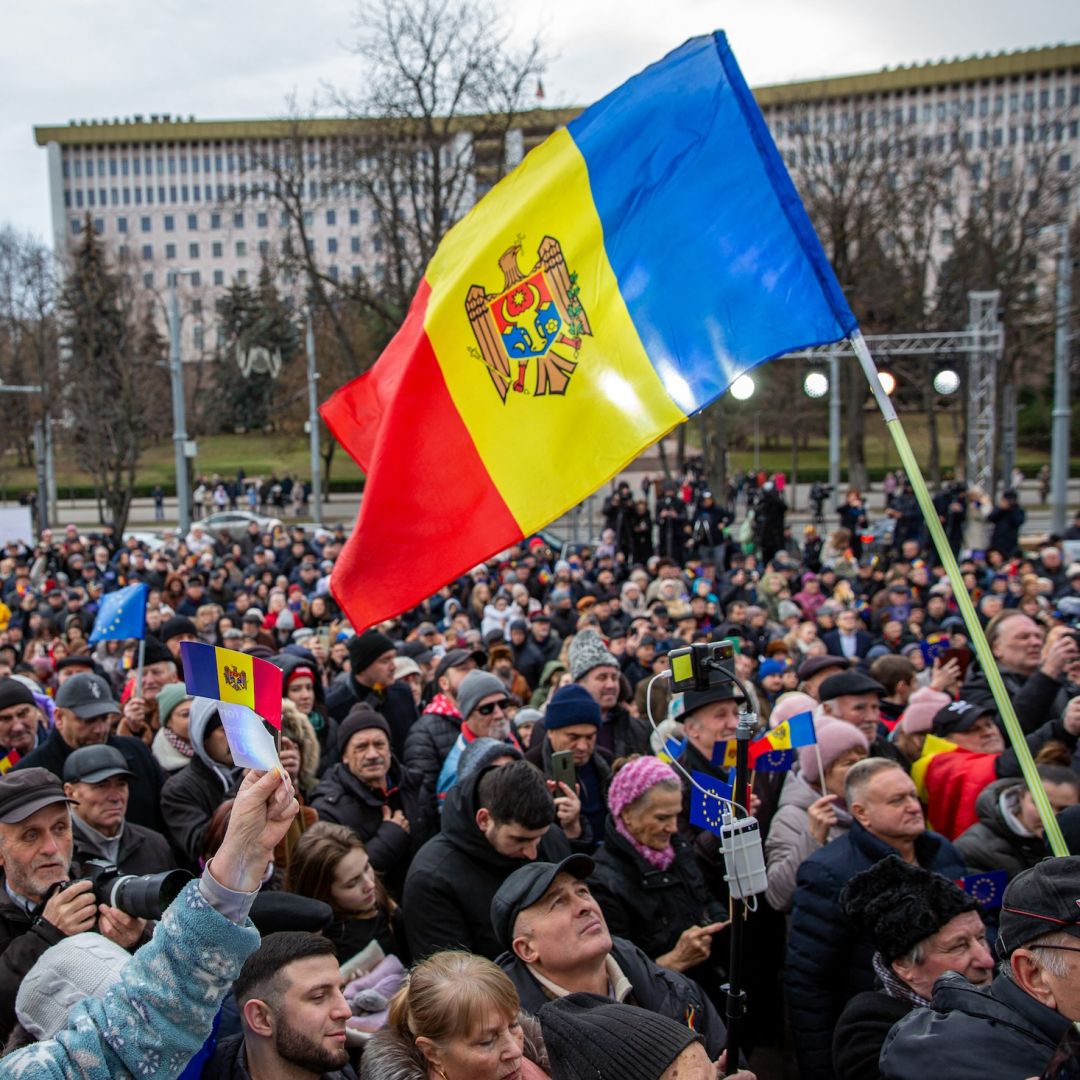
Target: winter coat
[(395, 704), (229, 1062), (1036, 698), (992, 843), (860, 1033), (141, 851), (972, 1033), (342, 798), (649, 907), (621, 734), (431, 739), (594, 784), (22, 940), (669, 993), (1006, 525), (790, 843), (326, 734), (144, 787), (454, 877), (387, 1056), (185, 971), (540, 695), (826, 963), (166, 755), (190, 797)]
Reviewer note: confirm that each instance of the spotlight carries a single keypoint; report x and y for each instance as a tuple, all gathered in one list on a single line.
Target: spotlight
[(947, 381), (743, 388), (816, 384)]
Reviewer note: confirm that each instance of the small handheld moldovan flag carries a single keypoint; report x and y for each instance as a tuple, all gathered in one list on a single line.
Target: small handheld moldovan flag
[(122, 615), (249, 690), (616, 282)]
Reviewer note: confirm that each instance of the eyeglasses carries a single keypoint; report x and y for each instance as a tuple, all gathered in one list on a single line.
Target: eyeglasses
[(1057, 948), (491, 706)]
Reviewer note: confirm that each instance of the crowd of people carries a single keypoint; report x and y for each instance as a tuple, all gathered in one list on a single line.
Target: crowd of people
[(480, 860)]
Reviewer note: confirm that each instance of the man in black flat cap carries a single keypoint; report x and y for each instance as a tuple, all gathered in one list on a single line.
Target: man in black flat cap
[(855, 698)]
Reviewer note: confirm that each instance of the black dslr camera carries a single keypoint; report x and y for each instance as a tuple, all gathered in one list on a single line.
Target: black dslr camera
[(143, 896)]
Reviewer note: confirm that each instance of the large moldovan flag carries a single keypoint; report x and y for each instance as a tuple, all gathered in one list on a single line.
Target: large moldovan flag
[(616, 282)]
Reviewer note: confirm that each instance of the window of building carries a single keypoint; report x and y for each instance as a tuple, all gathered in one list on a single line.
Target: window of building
[(197, 336), (217, 163), (193, 251), (354, 216), (170, 251), (335, 274), (196, 192), (354, 272), (144, 224), (309, 218), (331, 245), (264, 249), (241, 249), (91, 198), (1064, 162), (112, 166), (123, 253), (1029, 101), (354, 245), (138, 196), (76, 226), (217, 249), (148, 280), (376, 243), (238, 219), (123, 166), (262, 219), (215, 220), (99, 226), (170, 223), (78, 198), (121, 224), (219, 277), (331, 217), (241, 277), (147, 252)]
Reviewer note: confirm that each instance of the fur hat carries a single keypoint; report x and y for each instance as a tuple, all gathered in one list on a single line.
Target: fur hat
[(296, 726), (587, 651), (896, 905)]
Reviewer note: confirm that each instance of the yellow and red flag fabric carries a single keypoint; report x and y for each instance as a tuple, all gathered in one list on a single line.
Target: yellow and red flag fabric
[(617, 281), (948, 780), (9, 761), (233, 677)]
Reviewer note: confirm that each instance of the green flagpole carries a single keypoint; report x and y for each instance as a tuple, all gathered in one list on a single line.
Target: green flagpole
[(967, 609)]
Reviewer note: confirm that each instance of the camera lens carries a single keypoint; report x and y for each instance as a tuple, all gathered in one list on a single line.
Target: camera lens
[(147, 896)]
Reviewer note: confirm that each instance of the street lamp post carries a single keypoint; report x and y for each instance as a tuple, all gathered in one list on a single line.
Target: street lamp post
[(1062, 414), (176, 377), (313, 419)]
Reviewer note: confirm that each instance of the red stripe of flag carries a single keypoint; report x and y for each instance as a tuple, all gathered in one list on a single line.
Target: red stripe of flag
[(411, 427)]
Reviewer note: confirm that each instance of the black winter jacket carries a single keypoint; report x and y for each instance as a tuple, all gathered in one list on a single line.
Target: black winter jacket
[(395, 705), (454, 877), (22, 941), (1036, 698), (188, 802), (971, 1033), (429, 742), (649, 907), (141, 851), (144, 787), (229, 1062), (826, 963), (990, 844), (341, 798), (860, 1033), (622, 734), (669, 993)]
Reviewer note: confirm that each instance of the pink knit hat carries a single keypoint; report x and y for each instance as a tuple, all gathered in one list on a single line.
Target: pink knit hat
[(789, 705), (918, 717), (834, 737), (634, 779)]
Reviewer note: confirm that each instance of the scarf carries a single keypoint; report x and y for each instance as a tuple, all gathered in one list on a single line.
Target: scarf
[(658, 860), (894, 986), (180, 745)]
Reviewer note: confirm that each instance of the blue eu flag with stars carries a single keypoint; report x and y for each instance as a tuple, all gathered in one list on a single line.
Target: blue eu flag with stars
[(986, 888), (122, 615), (707, 803)]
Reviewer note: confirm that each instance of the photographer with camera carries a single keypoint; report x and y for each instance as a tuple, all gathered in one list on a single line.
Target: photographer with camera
[(35, 854)]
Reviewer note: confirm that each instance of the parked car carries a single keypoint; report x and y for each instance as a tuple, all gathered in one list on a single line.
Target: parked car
[(236, 522)]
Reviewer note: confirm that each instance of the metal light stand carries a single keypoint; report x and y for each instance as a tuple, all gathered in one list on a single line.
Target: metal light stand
[(735, 995)]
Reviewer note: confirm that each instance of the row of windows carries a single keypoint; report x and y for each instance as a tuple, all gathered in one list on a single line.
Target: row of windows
[(241, 278), (832, 122)]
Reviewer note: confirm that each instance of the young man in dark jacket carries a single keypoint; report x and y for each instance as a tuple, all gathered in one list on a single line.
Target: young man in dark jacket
[(493, 822), (827, 963), (385, 804)]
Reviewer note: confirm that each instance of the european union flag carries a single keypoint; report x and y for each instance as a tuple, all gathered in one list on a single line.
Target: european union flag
[(707, 806), (122, 615), (986, 888), (932, 646), (775, 761)]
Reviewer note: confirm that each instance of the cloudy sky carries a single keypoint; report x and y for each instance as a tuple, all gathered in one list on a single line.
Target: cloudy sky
[(65, 59)]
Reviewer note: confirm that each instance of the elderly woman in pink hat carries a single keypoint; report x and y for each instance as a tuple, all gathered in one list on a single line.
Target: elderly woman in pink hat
[(647, 879), (812, 810)]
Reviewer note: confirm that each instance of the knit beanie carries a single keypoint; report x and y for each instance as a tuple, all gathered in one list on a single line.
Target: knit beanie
[(361, 716), (571, 704), (287, 621), (480, 753), (834, 738), (366, 648), (177, 625), (81, 966), (634, 779), (771, 667), (169, 696), (587, 651), (15, 692), (896, 905), (791, 704), (476, 686), (590, 1038), (922, 707)]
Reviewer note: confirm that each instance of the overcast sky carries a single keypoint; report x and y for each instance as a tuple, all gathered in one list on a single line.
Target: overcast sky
[(65, 59)]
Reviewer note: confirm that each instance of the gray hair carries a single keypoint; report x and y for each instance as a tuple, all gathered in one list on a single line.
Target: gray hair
[(1049, 959), (862, 772)]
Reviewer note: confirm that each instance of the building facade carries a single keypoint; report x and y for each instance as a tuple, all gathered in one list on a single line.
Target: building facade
[(168, 193)]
